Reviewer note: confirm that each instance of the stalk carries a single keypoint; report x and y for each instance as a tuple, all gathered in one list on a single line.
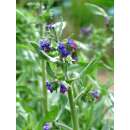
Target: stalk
[(44, 89), (73, 110), (45, 100), (72, 104)]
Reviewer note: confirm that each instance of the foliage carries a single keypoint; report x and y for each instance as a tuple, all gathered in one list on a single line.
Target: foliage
[(90, 24)]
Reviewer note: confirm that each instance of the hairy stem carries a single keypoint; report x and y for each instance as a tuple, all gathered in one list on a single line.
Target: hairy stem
[(45, 101), (72, 104), (73, 110)]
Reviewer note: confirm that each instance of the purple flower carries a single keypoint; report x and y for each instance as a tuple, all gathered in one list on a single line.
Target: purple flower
[(86, 31), (95, 94), (49, 87), (63, 51), (72, 43), (63, 88), (45, 45), (61, 46), (49, 26), (47, 126)]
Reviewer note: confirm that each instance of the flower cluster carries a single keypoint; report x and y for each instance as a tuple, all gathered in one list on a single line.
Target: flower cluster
[(50, 88), (45, 45), (47, 126), (73, 47), (68, 49), (63, 51), (63, 88), (72, 44), (95, 94)]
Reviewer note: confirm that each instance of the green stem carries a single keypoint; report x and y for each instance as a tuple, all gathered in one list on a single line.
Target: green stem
[(72, 104), (73, 110), (45, 100)]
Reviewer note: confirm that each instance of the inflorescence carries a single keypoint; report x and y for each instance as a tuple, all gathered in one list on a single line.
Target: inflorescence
[(63, 88), (50, 88), (95, 94), (64, 50), (45, 45), (47, 126)]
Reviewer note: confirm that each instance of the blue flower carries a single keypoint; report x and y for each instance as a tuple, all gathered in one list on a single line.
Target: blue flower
[(47, 126), (95, 94), (63, 51), (63, 88), (45, 45), (61, 46), (49, 87), (72, 43)]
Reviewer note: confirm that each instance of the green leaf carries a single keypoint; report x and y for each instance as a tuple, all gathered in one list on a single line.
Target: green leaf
[(20, 122), (94, 82), (90, 66), (20, 13), (95, 9), (50, 71), (66, 127), (104, 3), (22, 88), (49, 117), (24, 46)]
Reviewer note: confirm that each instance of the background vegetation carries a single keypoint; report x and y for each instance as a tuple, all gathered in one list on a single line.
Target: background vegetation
[(90, 24)]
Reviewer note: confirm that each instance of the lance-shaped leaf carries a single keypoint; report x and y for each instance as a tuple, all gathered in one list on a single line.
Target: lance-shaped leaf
[(49, 117), (95, 9), (90, 66), (50, 71)]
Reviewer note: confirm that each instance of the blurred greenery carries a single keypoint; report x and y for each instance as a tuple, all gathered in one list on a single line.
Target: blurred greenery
[(90, 24)]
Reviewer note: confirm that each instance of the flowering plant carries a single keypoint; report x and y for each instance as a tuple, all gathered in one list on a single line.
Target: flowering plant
[(64, 68)]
